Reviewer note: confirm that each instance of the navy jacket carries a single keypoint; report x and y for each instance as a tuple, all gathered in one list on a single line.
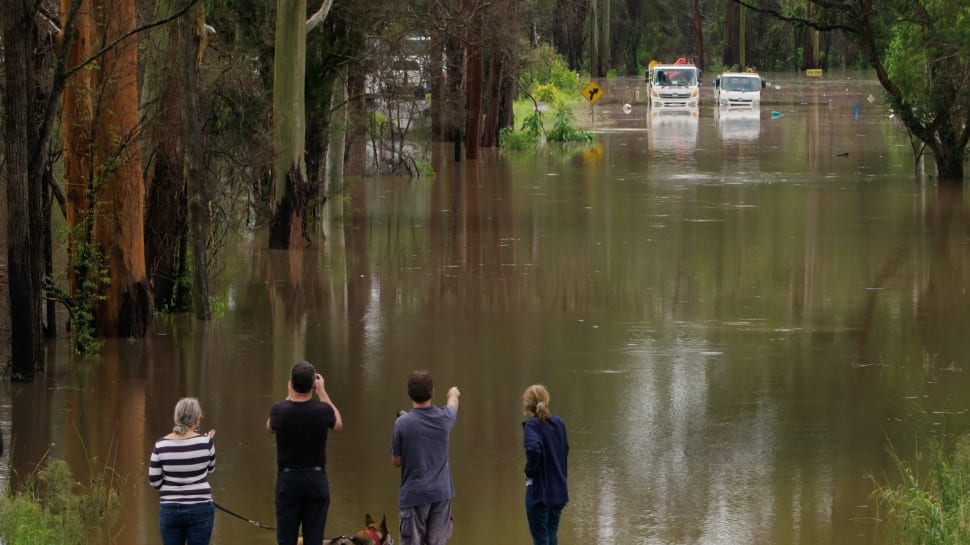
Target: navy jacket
[(546, 449)]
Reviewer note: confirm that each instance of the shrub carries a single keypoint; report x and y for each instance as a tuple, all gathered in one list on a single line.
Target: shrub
[(931, 508), (50, 507), (563, 129), (545, 66)]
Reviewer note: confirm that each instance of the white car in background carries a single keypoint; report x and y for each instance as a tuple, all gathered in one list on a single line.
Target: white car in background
[(738, 90)]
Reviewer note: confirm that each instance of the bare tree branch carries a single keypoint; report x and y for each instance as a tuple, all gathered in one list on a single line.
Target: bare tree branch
[(319, 16)]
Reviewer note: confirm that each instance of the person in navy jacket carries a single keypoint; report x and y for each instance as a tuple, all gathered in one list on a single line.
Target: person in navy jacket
[(546, 450)]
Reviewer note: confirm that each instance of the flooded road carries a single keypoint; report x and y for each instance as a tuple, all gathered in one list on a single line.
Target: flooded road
[(733, 313)]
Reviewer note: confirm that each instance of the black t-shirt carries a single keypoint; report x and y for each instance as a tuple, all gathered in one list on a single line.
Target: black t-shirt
[(301, 432)]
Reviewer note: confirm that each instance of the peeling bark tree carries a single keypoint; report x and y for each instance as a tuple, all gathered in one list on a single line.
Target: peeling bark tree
[(106, 195), (126, 309), (290, 186)]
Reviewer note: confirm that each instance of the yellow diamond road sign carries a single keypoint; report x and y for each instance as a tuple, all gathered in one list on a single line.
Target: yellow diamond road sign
[(592, 92)]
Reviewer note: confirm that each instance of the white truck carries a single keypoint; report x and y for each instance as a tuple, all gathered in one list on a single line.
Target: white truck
[(674, 85), (738, 90)]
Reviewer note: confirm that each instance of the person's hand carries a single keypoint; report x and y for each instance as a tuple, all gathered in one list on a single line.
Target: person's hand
[(319, 385), (453, 391), (211, 433)]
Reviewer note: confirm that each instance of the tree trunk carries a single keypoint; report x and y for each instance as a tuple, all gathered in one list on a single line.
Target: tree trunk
[(474, 87), (25, 259), (731, 34), (76, 115), (595, 69), (125, 308), (454, 97), (164, 144), (439, 108), (606, 24), (290, 187), (338, 141), (357, 126), (193, 40), (699, 34), (949, 152), (496, 71), (810, 56)]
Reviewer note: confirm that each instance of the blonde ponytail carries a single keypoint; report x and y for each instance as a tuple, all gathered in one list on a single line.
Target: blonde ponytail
[(535, 401)]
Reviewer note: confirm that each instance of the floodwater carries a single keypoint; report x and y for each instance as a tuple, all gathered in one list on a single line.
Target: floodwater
[(735, 314)]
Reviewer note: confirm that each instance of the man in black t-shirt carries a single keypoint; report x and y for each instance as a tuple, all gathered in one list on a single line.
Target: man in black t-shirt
[(301, 424)]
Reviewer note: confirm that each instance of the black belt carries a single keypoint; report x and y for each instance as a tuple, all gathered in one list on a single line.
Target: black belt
[(300, 469)]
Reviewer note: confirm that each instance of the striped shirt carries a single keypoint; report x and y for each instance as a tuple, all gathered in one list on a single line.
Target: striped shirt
[(180, 468)]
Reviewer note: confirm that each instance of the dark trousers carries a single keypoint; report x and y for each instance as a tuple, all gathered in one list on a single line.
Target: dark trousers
[(543, 520), (302, 499)]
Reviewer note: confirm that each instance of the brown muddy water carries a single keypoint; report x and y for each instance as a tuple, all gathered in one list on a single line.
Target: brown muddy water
[(733, 313)]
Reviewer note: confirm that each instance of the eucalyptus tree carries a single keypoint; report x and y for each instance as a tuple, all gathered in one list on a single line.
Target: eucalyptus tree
[(920, 51), (105, 188)]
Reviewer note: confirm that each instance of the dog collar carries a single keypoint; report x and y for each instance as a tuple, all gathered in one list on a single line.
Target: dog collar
[(373, 536)]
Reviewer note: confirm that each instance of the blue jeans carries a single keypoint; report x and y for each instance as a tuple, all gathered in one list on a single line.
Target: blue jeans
[(543, 520), (302, 500), (186, 523)]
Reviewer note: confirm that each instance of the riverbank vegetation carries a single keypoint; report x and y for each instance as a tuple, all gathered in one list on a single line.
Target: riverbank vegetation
[(51, 507), (549, 95), (927, 501)]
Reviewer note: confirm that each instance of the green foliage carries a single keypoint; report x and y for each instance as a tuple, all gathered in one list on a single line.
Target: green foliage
[(377, 124), (544, 66), (564, 130), (510, 139), (218, 306), (548, 94), (51, 507), (425, 169), (931, 508), (92, 274), (528, 137)]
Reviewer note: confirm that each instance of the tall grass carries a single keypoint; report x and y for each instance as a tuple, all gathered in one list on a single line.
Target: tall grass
[(51, 507), (930, 502)]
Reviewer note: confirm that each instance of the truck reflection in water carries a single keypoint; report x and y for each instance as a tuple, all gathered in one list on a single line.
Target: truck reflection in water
[(738, 124), (673, 130)]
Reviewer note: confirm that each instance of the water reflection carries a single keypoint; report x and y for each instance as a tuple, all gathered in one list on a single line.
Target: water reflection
[(738, 124), (730, 325), (674, 130)]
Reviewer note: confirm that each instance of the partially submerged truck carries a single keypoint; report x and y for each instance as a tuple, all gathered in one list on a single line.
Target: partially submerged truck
[(674, 85), (738, 90)]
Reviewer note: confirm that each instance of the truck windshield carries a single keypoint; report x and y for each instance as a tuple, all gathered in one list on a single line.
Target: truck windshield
[(680, 76), (738, 83)]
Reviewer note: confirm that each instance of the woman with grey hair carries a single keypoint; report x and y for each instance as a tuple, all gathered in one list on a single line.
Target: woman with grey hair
[(179, 468)]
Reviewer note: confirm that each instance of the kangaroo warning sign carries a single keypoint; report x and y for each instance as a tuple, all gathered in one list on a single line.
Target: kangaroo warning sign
[(592, 92)]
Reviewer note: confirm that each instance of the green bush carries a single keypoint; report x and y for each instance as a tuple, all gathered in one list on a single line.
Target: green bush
[(509, 139), (545, 66), (50, 507), (563, 129), (548, 94), (932, 508)]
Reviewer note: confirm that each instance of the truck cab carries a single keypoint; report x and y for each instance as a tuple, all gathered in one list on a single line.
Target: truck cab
[(674, 85), (738, 90)]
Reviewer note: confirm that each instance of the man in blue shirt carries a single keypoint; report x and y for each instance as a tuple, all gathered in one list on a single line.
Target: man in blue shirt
[(419, 447)]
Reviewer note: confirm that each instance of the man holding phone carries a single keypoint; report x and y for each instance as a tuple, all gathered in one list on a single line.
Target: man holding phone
[(301, 424)]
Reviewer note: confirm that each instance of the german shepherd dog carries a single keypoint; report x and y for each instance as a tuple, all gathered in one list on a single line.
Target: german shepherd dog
[(372, 534)]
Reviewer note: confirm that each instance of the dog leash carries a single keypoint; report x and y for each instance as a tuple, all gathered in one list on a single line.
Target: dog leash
[(255, 523), (258, 524)]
